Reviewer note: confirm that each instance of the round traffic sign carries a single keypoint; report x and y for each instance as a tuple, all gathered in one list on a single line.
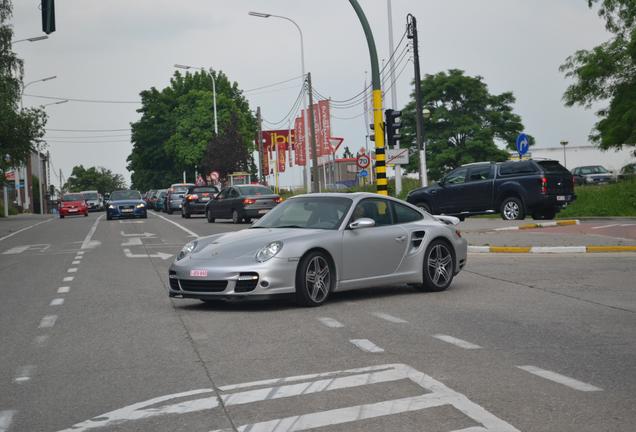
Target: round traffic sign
[(363, 161), (214, 175), (523, 143)]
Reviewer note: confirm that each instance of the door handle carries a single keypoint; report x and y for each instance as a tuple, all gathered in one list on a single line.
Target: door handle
[(400, 238)]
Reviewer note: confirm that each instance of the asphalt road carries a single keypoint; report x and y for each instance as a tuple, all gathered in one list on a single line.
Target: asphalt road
[(91, 341)]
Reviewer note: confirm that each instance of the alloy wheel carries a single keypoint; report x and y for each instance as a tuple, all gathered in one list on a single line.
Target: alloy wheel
[(440, 265), (511, 210), (318, 279)]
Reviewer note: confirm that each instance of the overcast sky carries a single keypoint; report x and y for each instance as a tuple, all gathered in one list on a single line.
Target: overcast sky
[(112, 50)]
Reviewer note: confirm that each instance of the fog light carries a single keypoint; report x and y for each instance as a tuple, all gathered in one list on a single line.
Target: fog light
[(264, 284)]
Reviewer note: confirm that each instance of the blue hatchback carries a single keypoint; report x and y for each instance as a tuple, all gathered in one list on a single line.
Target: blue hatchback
[(126, 204)]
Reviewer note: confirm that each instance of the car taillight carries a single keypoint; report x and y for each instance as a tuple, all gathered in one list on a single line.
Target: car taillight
[(193, 197), (544, 185), (279, 200), (249, 201), (573, 182)]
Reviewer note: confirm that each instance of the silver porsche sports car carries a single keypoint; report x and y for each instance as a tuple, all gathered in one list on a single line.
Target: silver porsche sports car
[(312, 245)]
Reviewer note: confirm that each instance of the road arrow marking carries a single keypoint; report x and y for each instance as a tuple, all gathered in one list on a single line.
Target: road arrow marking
[(163, 256), (133, 241), (145, 234)]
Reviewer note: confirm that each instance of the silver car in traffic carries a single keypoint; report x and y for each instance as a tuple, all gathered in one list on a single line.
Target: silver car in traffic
[(312, 245)]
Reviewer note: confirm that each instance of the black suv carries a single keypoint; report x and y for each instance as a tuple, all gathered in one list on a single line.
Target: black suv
[(513, 188)]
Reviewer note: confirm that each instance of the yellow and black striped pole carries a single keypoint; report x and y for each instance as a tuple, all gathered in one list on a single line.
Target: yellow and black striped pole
[(381, 182)]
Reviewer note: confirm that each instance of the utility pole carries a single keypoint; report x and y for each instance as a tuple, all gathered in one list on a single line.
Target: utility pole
[(398, 168), (259, 136), (316, 183), (411, 27)]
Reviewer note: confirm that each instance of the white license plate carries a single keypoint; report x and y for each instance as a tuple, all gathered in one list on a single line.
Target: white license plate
[(205, 199), (126, 210), (561, 198), (263, 211), (198, 273), (72, 210)]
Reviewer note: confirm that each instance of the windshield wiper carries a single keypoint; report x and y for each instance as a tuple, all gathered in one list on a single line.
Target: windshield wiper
[(288, 226)]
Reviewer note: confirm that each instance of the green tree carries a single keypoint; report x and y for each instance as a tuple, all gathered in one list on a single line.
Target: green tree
[(177, 128), (94, 178), (18, 128), (465, 125), (347, 153), (222, 153), (607, 72)]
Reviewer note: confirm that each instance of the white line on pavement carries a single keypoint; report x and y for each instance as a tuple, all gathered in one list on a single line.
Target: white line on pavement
[(192, 233), (558, 249), (5, 419), (75, 262), (41, 340), (63, 289), (68, 279), (366, 345), (389, 318), (80, 252), (72, 270), (24, 374), (57, 302), (604, 226), (87, 243), (24, 229), (48, 321), (330, 322), (457, 342), (561, 379)]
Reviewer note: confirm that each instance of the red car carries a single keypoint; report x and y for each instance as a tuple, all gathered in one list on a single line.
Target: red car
[(73, 204)]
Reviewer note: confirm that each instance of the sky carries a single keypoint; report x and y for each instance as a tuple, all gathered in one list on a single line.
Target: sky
[(112, 50)]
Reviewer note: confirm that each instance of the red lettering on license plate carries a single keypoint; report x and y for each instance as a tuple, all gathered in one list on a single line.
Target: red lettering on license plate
[(198, 273)]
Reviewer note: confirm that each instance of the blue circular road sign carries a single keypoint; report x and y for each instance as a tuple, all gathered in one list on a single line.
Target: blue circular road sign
[(523, 143)]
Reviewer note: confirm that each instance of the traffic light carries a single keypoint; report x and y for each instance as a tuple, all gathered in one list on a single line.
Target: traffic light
[(372, 127), (393, 125), (48, 16)]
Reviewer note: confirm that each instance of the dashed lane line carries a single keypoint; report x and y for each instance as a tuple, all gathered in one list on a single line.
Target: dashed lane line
[(456, 341), (192, 233), (68, 279), (6, 417), (57, 302), (330, 322), (41, 340), (72, 270), (88, 240), (63, 289), (75, 262), (24, 229), (560, 379), (24, 374), (48, 321), (389, 318), (366, 345)]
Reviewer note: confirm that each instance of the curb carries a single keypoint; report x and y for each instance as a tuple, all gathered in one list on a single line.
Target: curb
[(549, 249), (540, 225)]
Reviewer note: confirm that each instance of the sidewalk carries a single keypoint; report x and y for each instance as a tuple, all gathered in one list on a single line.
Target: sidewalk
[(15, 223)]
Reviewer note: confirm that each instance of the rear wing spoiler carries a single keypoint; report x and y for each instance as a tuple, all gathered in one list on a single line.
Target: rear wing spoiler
[(448, 220)]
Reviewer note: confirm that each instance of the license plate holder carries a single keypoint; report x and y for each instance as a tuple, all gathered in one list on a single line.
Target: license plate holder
[(198, 273)]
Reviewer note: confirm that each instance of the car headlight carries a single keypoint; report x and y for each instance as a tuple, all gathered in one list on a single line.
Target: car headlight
[(112, 207), (141, 205), (187, 250), (268, 252)]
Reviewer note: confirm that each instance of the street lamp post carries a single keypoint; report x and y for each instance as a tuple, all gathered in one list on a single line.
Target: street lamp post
[(216, 124), (40, 159), (302, 66), (31, 39), (565, 161)]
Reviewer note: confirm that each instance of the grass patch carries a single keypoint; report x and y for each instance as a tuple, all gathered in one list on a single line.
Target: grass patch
[(616, 199)]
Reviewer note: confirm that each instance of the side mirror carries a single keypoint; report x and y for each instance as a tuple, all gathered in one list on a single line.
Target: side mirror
[(362, 223), (442, 182)]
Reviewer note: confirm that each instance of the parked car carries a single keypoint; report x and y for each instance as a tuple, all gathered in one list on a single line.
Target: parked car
[(174, 197), (150, 197), (242, 203), (94, 200), (73, 204), (313, 245), (196, 199), (126, 204), (513, 188), (160, 199), (627, 172), (593, 174)]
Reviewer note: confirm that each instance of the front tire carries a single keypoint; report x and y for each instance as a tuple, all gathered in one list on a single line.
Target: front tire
[(108, 216), (208, 215), (315, 279), (439, 267), (512, 209), (61, 216), (236, 219)]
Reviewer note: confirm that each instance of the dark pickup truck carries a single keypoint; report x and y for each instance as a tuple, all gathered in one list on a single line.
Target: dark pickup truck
[(515, 188)]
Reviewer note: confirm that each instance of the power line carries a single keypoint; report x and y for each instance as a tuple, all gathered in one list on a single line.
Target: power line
[(294, 107), (87, 136), (103, 101), (87, 142), (272, 85), (88, 130)]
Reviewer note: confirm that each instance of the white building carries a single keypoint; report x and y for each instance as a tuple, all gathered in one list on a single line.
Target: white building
[(576, 156)]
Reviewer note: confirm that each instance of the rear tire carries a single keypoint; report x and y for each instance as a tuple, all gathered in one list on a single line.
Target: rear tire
[(439, 267), (236, 219), (169, 210), (512, 209), (315, 279), (247, 220), (208, 215), (61, 216), (108, 216)]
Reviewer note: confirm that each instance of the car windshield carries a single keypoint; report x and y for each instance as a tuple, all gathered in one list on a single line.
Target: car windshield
[(255, 190), (179, 189), (597, 169), (198, 190), (73, 197), (90, 195), (125, 195), (307, 212)]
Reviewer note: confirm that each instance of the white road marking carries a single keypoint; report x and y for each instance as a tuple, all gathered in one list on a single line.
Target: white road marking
[(75, 263), (24, 248), (192, 233), (48, 321), (478, 249), (605, 226), (627, 225), (24, 229), (457, 342), (145, 234), (80, 252), (366, 345), (72, 270), (57, 302), (163, 256), (63, 289), (434, 394), (68, 279), (330, 322), (389, 318), (131, 222), (561, 379), (41, 340), (133, 241), (24, 374), (558, 249), (88, 242), (5, 419)]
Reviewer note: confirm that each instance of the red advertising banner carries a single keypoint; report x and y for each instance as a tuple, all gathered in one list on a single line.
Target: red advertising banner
[(281, 153), (299, 132), (317, 130), (324, 133)]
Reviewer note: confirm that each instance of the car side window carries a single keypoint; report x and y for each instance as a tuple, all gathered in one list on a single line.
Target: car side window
[(376, 209), (457, 176), (222, 194), (514, 168), (480, 173), (404, 214), (233, 193)]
